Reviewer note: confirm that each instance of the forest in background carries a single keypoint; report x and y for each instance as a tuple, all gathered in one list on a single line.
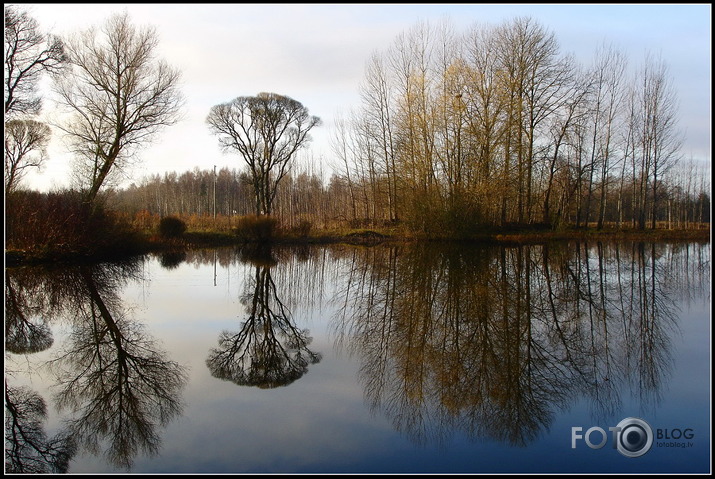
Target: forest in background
[(209, 200)]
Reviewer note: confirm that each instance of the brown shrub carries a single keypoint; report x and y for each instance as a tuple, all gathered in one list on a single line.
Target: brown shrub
[(62, 223), (254, 228)]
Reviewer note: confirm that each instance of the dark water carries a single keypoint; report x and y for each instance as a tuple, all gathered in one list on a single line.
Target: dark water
[(418, 358)]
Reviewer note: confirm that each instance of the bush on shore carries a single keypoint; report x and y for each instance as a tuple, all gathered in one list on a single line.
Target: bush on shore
[(61, 224), (252, 228), (171, 227)]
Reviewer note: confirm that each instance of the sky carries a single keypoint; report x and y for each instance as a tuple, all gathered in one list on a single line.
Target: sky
[(316, 54)]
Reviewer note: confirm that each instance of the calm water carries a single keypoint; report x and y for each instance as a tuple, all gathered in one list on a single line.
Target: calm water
[(350, 359)]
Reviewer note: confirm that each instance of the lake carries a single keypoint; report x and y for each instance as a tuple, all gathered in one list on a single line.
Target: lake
[(570, 357)]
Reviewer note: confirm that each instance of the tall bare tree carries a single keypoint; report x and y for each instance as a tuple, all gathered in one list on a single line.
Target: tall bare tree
[(376, 94), (609, 71), (660, 139), (267, 130), (344, 152), (536, 76), (562, 126), (484, 101), (119, 95)]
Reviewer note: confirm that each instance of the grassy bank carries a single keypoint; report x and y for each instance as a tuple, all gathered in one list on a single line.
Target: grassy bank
[(367, 237), (63, 229), (374, 236), (190, 240)]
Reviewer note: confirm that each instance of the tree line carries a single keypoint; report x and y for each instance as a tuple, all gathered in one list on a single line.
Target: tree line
[(459, 131), (496, 126), (304, 195), (456, 131)]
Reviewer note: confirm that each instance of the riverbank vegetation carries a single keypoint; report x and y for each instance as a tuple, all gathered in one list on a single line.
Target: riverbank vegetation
[(491, 134), (60, 226)]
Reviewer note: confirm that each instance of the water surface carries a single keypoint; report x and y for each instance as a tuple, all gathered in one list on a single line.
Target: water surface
[(414, 358)]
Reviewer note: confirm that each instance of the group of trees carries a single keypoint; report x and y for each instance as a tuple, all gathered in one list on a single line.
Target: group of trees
[(460, 131), (113, 91), (497, 126), (229, 192), (303, 195), (117, 95), (28, 55), (491, 127)]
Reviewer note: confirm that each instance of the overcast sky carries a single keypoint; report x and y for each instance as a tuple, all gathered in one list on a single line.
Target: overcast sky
[(316, 54)]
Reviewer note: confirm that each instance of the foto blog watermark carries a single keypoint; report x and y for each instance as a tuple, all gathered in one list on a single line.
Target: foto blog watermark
[(632, 437)]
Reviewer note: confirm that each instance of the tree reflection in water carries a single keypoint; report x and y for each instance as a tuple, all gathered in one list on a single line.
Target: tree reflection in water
[(269, 350), (489, 342), (494, 341), (26, 330), (115, 384), (28, 311), (27, 448)]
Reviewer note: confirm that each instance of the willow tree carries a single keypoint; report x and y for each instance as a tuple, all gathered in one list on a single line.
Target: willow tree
[(267, 130), (118, 94)]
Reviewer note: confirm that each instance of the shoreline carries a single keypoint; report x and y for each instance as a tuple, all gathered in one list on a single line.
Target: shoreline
[(365, 237)]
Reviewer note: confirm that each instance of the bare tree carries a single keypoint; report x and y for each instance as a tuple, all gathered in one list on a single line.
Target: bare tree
[(561, 128), (484, 111), (536, 81), (345, 152), (660, 139), (266, 130), (609, 71), (119, 96), (25, 147), (28, 54), (378, 109)]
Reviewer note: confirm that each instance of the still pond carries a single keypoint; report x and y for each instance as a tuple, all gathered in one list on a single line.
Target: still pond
[(419, 358)]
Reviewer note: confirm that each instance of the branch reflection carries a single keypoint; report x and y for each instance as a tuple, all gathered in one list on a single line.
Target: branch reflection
[(26, 326), (269, 350), (494, 341), (112, 380), (28, 450)]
